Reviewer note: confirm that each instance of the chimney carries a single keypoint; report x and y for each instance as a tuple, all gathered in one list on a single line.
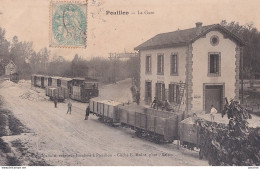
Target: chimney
[(198, 27)]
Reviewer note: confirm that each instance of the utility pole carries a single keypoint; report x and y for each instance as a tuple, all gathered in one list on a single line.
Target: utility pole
[(114, 62), (113, 66), (242, 75)]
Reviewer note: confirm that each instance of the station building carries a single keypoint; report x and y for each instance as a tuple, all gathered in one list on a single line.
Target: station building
[(205, 58)]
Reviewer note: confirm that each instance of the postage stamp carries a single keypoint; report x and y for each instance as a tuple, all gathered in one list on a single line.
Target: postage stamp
[(68, 23)]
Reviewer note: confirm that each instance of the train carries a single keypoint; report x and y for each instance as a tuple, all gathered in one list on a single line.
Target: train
[(159, 126), (14, 77), (61, 88)]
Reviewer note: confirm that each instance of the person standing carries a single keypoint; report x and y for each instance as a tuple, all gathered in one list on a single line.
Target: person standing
[(69, 107), (55, 102), (213, 111), (87, 113), (137, 97)]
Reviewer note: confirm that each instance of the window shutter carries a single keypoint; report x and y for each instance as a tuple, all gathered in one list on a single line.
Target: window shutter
[(171, 62), (146, 64), (177, 94), (156, 90), (163, 91), (217, 64), (146, 90), (176, 63), (158, 63), (162, 63), (170, 92)]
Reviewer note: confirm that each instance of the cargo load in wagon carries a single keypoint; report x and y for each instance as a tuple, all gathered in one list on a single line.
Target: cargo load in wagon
[(107, 110), (160, 125)]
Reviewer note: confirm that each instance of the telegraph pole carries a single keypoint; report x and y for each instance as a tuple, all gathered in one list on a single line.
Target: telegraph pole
[(242, 75)]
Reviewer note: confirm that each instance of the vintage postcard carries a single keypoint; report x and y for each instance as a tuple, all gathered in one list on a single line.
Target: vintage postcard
[(129, 83)]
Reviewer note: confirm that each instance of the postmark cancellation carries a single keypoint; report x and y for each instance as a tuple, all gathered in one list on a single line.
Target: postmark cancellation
[(68, 23)]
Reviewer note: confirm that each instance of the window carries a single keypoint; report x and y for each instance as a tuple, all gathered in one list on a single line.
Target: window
[(160, 64), (174, 64), (148, 67), (174, 93), (214, 40), (214, 64), (160, 91)]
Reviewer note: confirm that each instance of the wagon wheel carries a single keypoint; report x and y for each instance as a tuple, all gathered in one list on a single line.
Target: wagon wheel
[(157, 140), (170, 141), (138, 133)]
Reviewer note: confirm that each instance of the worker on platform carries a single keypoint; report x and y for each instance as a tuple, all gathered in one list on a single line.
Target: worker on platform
[(69, 107), (166, 105), (154, 103), (213, 111)]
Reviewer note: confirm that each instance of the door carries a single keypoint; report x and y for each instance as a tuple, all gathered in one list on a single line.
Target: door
[(42, 82), (213, 96), (148, 91)]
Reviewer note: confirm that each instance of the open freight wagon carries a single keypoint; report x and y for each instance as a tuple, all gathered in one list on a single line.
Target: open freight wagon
[(107, 110), (189, 133), (157, 125), (57, 92), (160, 126)]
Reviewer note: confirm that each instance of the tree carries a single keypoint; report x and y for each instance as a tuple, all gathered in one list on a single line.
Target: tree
[(79, 67), (20, 53), (4, 50), (249, 34)]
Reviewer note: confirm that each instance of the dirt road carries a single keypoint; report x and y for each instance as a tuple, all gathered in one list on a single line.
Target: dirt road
[(64, 139)]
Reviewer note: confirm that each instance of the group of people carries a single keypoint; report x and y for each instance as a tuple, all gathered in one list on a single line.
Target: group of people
[(164, 105), (70, 107)]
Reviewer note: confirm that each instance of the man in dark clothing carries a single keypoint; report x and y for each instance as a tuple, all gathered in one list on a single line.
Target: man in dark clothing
[(69, 107), (166, 105), (87, 113), (55, 102), (137, 97), (154, 103)]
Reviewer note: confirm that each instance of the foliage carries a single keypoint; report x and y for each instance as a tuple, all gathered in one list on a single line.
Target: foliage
[(251, 36), (235, 144), (29, 61)]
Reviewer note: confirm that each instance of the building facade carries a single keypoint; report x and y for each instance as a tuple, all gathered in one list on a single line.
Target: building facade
[(205, 58), (10, 68)]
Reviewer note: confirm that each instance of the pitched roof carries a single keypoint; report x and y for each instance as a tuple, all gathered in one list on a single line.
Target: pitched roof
[(10, 62), (184, 37)]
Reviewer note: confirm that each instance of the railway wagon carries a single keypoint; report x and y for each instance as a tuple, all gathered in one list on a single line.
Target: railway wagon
[(33, 80), (56, 92), (107, 110), (45, 83), (66, 84), (49, 81), (189, 132), (39, 81), (14, 77), (56, 81), (160, 126)]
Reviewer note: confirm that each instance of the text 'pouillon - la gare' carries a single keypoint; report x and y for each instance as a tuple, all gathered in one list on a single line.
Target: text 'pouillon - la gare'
[(120, 12)]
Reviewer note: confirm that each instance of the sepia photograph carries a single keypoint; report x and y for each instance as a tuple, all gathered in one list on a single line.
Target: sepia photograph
[(129, 83)]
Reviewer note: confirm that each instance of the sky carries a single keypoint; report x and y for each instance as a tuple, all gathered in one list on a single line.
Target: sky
[(29, 20)]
